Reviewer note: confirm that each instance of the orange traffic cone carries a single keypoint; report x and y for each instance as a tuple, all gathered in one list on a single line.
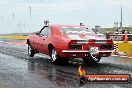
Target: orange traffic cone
[(126, 37)]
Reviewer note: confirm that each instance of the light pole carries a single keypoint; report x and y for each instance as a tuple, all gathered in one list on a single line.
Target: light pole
[(30, 11), (13, 15), (30, 15), (121, 18), (13, 25)]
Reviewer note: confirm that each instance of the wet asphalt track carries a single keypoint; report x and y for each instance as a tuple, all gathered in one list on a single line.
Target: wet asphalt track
[(17, 70)]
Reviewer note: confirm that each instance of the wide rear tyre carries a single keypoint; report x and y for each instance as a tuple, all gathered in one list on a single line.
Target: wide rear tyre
[(56, 59), (31, 51), (88, 61)]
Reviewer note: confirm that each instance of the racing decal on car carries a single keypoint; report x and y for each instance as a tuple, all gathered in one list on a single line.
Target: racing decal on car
[(74, 37), (78, 32)]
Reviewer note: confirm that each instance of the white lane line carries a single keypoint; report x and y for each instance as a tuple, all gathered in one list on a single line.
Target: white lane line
[(114, 55), (123, 56), (1, 41)]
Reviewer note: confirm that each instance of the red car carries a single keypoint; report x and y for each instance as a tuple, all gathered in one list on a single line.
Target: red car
[(62, 42)]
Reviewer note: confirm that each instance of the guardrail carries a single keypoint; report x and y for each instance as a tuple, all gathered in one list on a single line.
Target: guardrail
[(119, 37)]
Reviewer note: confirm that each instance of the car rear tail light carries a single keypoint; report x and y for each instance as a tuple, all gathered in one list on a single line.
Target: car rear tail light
[(80, 42), (72, 42)]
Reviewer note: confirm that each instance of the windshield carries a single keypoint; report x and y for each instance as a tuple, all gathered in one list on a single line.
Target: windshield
[(79, 31)]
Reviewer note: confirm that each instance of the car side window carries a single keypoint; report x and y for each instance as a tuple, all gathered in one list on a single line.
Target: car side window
[(45, 31)]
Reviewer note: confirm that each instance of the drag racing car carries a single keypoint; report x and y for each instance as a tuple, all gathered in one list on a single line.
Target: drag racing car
[(62, 42)]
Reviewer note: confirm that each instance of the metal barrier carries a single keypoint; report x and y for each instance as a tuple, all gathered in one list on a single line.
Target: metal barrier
[(125, 47), (119, 37), (122, 43)]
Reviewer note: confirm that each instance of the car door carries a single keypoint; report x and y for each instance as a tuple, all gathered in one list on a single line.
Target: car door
[(44, 35), (36, 41)]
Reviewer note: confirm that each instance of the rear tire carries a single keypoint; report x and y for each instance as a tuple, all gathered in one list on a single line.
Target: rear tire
[(54, 56), (31, 51), (56, 59), (90, 60)]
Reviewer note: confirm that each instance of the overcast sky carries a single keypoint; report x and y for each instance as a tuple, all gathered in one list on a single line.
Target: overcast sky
[(90, 12)]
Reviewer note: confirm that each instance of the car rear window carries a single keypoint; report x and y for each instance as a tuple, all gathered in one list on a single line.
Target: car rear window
[(71, 31)]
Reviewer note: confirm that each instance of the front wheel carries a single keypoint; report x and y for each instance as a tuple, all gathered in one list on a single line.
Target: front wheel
[(31, 51), (91, 60)]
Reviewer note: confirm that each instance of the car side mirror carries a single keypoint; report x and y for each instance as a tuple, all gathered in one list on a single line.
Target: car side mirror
[(37, 33)]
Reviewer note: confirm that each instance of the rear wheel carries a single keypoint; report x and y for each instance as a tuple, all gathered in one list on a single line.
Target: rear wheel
[(91, 60), (56, 59), (54, 55), (31, 51)]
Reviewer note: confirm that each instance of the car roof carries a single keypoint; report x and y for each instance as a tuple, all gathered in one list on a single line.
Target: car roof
[(63, 25)]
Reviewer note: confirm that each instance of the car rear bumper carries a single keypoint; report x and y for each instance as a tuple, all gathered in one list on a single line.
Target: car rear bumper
[(84, 53)]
